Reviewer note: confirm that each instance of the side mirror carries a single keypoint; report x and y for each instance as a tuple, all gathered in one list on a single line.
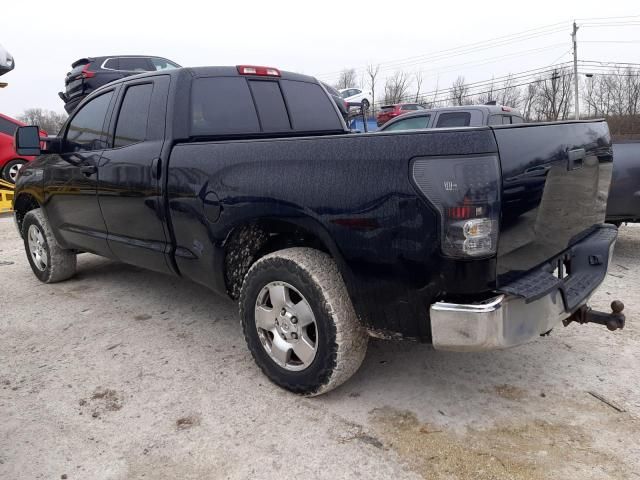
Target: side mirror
[(27, 141)]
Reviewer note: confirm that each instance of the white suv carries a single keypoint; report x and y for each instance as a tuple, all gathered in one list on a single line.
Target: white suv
[(356, 97)]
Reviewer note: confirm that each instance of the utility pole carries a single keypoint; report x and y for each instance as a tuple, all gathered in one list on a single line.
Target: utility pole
[(575, 68)]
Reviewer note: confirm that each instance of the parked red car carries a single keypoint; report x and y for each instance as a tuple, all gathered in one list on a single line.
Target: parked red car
[(387, 112), (10, 161)]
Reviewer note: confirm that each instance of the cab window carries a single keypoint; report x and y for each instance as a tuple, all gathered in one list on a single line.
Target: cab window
[(86, 131), (163, 64), (412, 123), (134, 114), (7, 127), (454, 119)]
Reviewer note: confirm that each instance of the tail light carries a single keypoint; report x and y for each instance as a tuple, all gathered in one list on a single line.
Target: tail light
[(86, 73), (466, 193), (255, 70)]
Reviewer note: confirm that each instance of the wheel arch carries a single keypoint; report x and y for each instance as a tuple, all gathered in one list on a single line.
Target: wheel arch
[(252, 240), (23, 204)]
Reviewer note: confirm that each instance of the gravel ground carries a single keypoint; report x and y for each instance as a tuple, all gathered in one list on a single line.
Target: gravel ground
[(121, 373)]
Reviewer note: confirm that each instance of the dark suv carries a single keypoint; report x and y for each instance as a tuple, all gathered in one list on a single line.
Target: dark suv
[(89, 73)]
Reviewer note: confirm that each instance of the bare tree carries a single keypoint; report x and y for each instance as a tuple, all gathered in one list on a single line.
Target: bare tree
[(47, 120), (529, 99), (509, 94), (433, 103), (554, 96), (459, 91), (489, 95), (396, 87), (372, 72), (418, 79), (346, 79), (615, 95), (633, 91)]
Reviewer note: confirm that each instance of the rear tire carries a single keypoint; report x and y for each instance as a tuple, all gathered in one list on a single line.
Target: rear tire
[(49, 262), (314, 291), (11, 169)]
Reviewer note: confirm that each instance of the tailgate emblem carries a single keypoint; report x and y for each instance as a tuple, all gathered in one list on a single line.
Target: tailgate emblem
[(450, 186)]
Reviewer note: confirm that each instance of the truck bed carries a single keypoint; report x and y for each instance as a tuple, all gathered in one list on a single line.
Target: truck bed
[(355, 192)]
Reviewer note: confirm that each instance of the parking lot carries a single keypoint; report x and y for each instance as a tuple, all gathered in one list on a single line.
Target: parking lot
[(122, 373)]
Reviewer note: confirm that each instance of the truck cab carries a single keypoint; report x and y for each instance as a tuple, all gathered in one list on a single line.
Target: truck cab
[(455, 116)]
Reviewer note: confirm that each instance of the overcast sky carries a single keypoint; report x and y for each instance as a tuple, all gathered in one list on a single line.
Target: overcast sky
[(316, 38)]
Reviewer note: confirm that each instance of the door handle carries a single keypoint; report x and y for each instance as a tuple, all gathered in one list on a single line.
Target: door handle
[(89, 170), (576, 158)]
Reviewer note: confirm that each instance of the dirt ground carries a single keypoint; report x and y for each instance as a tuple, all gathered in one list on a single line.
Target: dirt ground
[(124, 374)]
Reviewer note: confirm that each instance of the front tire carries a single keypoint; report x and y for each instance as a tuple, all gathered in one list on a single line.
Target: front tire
[(299, 322), (49, 262), (11, 169)]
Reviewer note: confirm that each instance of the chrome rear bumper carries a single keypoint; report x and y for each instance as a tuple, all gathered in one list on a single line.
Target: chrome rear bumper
[(509, 319), (500, 322)]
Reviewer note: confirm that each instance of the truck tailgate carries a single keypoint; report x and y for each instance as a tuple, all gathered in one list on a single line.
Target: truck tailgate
[(555, 183)]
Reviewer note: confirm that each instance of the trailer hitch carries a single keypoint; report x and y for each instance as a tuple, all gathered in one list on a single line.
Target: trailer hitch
[(613, 321)]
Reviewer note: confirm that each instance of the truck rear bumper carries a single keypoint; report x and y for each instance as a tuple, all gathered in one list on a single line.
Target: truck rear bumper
[(512, 318), (500, 322)]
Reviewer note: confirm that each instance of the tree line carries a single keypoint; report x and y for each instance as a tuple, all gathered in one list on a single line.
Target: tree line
[(548, 96)]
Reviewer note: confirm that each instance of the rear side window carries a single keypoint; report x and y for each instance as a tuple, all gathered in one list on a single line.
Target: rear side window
[(134, 64), (162, 64), (270, 105), (111, 64), (222, 105), (412, 123), (7, 127), (516, 119), (86, 131), (133, 116), (309, 107), (454, 119)]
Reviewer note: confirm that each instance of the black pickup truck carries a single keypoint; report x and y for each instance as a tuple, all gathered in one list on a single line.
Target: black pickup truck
[(246, 180)]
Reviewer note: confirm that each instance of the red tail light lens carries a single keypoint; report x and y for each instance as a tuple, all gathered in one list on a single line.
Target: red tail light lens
[(86, 73)]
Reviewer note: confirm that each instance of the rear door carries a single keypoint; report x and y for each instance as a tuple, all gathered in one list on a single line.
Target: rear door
[(129, 190), (71, 178)]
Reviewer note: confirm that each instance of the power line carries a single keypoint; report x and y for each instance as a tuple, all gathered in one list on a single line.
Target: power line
[(610, 41), (464, 49), (503, 40), (606, 18), (470, 93), (447, 68), (511, 77)]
